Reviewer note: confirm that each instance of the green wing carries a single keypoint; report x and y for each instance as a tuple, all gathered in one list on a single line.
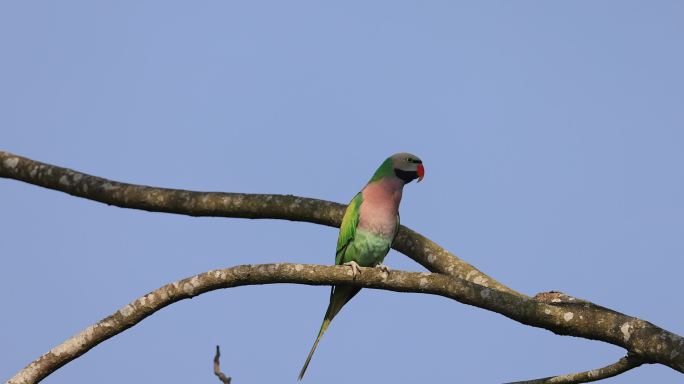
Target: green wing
[(348, 227), (396, 229)]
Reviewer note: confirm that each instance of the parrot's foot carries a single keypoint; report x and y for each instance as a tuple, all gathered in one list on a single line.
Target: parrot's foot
[(354, 267), (385, 269)]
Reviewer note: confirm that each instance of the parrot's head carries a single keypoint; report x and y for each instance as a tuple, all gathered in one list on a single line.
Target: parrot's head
[(407, 167)]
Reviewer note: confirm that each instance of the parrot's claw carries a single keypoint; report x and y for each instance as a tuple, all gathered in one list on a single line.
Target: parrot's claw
[(354, 267), (385, 269)]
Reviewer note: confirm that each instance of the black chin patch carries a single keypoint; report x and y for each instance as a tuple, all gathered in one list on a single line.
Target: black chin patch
[(407, 176)]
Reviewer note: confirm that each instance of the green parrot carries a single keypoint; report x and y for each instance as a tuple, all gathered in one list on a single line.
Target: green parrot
[(368, 228)]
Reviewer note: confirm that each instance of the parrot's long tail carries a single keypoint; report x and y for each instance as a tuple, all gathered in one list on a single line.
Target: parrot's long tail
[(339, 296)]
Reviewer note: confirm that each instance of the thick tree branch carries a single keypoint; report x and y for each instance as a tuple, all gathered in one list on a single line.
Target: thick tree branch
[(221, 204), (621, 366), (650, 343)]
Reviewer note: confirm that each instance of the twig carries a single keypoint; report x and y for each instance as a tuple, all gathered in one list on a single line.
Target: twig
[(623, 365), (217, 367)]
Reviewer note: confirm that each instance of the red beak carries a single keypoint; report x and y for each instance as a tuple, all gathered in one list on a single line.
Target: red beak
[(421, 172)]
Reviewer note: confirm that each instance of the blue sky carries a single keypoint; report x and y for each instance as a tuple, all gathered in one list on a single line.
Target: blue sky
[(551, 132)]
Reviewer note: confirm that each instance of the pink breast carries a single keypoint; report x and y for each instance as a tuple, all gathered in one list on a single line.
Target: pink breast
[(380, 206)]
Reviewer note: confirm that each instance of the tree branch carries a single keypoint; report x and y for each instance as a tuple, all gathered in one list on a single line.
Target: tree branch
[(561, 314), (238, 205), (652, 344), (621, 366)]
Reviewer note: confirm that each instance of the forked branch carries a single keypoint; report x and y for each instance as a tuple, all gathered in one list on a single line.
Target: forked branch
[(454, 278)]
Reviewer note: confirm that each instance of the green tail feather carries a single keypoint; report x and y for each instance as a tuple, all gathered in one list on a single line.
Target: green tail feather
[(324, 326), (339, 296)]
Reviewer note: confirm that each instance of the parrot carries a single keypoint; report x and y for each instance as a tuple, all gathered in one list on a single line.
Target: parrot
[(369, 226)]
